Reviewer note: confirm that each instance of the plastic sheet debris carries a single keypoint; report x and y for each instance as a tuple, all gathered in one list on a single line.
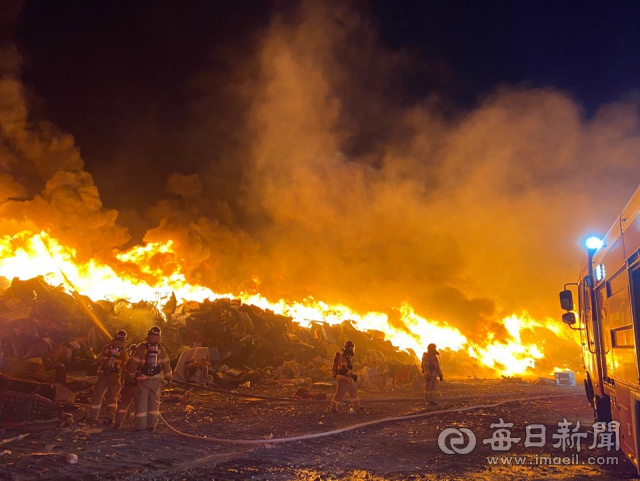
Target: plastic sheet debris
[(566, 378)]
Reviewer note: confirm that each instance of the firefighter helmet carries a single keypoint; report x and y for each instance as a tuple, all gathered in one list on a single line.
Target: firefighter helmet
[(121, 335), (132, 349), (349, 347), (154, 331), (431, 347)]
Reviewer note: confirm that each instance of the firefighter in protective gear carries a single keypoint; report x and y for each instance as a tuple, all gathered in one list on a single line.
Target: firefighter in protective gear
[(346, 378), (432, 372), (111, 361), (128, 391), (149, 366)]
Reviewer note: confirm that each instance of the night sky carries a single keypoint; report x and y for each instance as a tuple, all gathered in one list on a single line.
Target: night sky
[(123, 76)]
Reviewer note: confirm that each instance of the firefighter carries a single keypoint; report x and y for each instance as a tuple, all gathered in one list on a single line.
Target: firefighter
[(343, 372), (431, 371), (128, 391), (111, 360), (149, 366)]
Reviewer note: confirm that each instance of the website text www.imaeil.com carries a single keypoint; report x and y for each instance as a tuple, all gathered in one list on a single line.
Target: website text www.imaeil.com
[(575, 447), (537, 460)]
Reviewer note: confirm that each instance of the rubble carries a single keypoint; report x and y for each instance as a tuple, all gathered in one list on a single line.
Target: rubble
[(244, 343), (28, 405), (370, 379), (566, 378), (47, 336), (306, 394), (14, 438), (545, 381), (193, 366)]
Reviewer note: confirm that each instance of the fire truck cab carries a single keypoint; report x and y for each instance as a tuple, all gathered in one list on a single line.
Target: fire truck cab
[(608, 318)]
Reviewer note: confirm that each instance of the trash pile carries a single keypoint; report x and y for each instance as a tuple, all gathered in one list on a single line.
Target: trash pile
[(46, 333)]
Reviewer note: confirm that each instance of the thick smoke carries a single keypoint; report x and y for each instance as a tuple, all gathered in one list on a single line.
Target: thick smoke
[(468, 216), (42, 182), (354, 185)]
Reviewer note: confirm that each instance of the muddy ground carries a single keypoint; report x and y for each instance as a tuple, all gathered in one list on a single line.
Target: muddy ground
[(395, 450)]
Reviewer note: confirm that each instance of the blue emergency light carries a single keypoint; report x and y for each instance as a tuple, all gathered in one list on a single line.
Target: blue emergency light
[(594, 243)]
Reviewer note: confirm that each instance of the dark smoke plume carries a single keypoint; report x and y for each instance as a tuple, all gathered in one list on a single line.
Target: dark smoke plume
[(348, 183)]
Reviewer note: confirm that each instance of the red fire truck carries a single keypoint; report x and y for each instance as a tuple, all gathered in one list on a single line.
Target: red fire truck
[(608, 318)]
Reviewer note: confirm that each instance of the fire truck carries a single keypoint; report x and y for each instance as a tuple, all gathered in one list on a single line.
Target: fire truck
[(608, 318)]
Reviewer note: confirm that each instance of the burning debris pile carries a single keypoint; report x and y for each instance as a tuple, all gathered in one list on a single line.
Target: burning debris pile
[(246, 340), (146, 285), (46, 332), (41, 329)]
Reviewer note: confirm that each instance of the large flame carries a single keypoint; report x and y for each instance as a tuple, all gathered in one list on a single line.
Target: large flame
[(148, 271)]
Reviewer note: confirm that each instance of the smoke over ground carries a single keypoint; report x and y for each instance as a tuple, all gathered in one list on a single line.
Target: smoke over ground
[(42, 181), (349, 189), (465, 216)]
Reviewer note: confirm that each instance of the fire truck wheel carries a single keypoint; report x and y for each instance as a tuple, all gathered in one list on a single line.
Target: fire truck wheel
[(602, 409)]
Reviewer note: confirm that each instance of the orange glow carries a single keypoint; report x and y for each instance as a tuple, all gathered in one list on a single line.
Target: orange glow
[(145, 271)]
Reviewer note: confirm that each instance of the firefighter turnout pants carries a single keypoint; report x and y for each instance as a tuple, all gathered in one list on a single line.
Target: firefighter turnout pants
[(147, 401), (107, 387), (127, 395), (344, 388), (430, 387)]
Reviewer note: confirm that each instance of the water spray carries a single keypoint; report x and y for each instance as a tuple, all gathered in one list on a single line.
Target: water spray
[(74, 292)]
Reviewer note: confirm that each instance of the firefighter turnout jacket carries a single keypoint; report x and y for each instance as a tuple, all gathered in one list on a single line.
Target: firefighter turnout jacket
[(345, 367), (150, 361), (112, 358), (431, 365), (110, 363)]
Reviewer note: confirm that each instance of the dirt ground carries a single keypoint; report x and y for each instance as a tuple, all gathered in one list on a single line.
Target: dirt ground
[(395, 450)]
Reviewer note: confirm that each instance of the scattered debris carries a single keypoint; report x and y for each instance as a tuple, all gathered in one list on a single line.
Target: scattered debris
[(565, 378), (15, 438), (306, 394), (544, 380), (26, 405), (45, 335)]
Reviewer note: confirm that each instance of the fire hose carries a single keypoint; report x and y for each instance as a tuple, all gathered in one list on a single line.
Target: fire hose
[(254, 442), (99, 324)]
